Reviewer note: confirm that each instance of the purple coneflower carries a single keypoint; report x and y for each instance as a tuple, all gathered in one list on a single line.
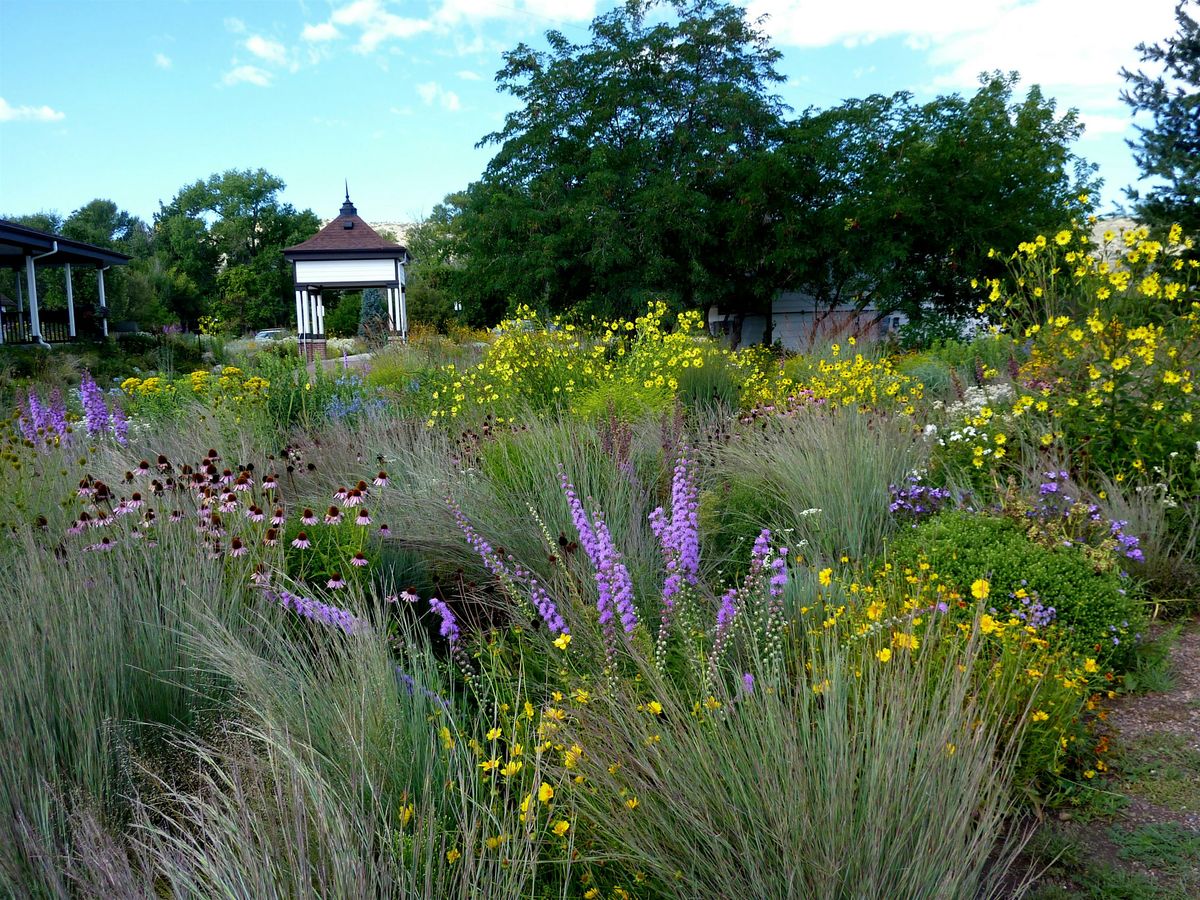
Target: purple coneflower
[(363, 517), (353, 498), (278, 518), (335, 582), (381, 480), (269, 483), (333, 516), (308, 517), (254, 514), (271, 538), (384, 531), (236, 547), (340, 494), (301, 541), (358, 560)]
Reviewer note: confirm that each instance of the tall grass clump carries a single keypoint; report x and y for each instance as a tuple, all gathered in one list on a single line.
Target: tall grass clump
[(95, 664), (864, 780), (819, 476)]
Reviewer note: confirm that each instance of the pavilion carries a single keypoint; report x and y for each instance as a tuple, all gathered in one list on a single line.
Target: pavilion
[(25, 250), (346, 253)]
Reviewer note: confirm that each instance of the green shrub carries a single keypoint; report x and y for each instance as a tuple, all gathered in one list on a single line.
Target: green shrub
[(1095, 612), (712, 385), (628, 402)]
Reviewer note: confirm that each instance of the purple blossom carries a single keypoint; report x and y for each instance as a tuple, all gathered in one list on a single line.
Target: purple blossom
[(679, 537), (914, 501), (120, 425), (538, 595), (95, 410), (748, 683), (317, 611), (449, 628)]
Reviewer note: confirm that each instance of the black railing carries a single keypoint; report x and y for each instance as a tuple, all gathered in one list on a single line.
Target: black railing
[(17, 329)]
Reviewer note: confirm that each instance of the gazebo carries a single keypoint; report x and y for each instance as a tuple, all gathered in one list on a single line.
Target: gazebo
[(346, 253), (25, 250)]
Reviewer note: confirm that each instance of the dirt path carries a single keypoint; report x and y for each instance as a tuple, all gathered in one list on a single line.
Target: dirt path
[(1137, 833)]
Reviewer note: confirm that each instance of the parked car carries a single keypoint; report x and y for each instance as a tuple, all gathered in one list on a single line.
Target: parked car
[(269, 334)]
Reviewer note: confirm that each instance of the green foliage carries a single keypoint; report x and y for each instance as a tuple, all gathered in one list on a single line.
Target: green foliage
[(625, 402), (373, 317), (925, 332), (341, 319), (1096, 612), (1166, 149), (821, 478), (608, 173), (221, 238)]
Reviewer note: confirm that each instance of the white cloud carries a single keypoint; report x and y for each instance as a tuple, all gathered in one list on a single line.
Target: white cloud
[(237, 26), (247, 75), (1074, 51), (431, 92), (162, 60), (374, 23), (325, 31), (468, 75), (453, 12), (10, 113), (267, 49)]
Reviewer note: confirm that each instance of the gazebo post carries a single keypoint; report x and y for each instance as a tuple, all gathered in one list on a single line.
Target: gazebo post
[(103, 300), (403, 313), (70, 303), (35, 324), (319, 342)]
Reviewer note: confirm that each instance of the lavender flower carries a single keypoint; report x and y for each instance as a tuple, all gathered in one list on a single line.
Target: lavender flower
[(492, 561), (95, 410), (680, 536), (449, 628), (317, 611)]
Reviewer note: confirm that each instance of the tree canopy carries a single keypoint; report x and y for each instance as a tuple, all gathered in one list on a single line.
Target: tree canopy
[(1168, 150), (655, 160), (221, 241)]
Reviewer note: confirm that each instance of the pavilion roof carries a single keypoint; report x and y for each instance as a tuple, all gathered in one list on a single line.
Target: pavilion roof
[(348, 233), (19, 241)]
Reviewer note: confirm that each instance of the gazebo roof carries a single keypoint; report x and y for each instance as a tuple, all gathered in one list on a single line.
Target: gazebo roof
[(18, 242), (347, 234)]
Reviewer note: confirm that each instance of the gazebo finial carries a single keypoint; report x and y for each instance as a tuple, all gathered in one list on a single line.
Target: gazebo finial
[(348, 207)]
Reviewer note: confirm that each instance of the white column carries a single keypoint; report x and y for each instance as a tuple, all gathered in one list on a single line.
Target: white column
[(391, 309), (103, 300), (305, 330), (299, 318), (20, 297), (403, 314), (35, 322), (70, 302), (319, 320)]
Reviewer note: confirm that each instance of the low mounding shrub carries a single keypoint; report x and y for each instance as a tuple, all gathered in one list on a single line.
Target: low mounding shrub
[(1095, 612)]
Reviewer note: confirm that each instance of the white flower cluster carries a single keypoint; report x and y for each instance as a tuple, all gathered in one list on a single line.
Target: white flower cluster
[(976, 397)]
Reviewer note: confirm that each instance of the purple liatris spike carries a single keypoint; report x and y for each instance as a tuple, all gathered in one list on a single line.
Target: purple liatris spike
[(324, 613), (95, 410), (449, 627), (679, 537), (120, 424), (56, 414)]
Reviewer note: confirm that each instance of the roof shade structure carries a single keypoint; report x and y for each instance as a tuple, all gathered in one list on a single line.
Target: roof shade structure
[(25, 250), (345, 254)]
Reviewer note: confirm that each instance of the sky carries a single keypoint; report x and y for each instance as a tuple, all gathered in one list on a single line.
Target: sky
[(130, 100)]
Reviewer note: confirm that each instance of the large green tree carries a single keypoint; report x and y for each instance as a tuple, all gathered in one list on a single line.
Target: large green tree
[(893, 204), (606, 175), (221, 242), (1168, 150)]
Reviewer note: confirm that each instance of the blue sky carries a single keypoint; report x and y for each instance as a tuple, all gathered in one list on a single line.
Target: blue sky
[(131, 99)]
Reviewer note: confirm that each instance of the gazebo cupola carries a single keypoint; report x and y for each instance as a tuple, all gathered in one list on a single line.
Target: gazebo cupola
[(345, 254)]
